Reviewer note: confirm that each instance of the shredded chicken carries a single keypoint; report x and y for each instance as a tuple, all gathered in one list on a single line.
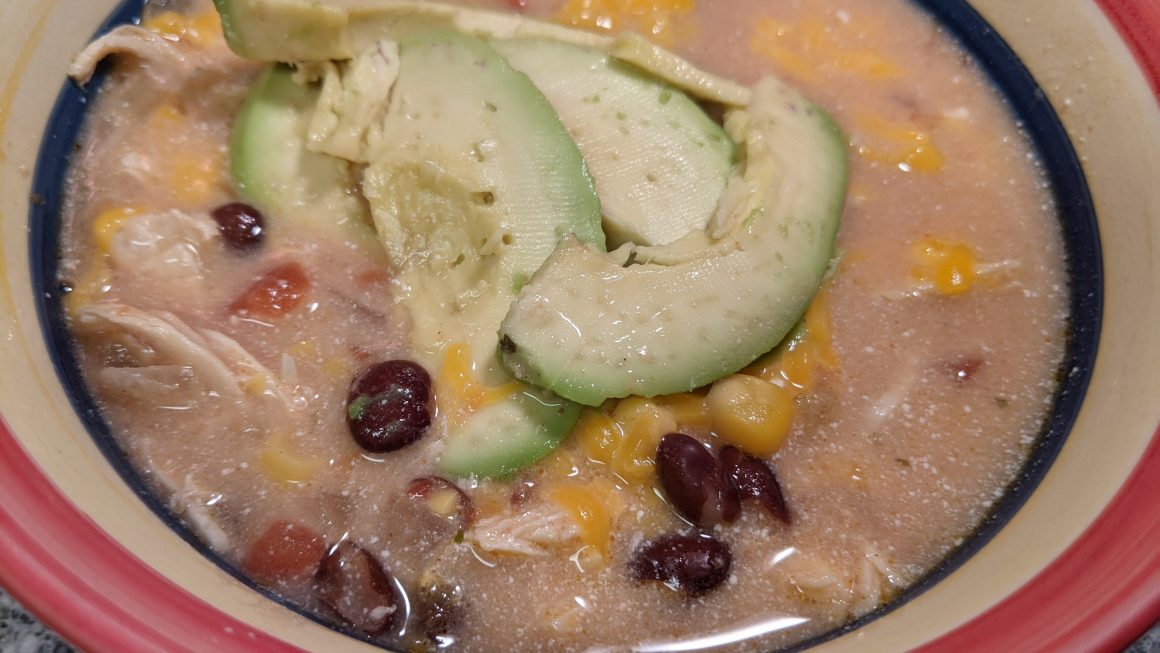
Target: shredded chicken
[(160, 253), (534, 532), (348, 120), (164, 351), (126, 39), (862, 587), (195, 506)]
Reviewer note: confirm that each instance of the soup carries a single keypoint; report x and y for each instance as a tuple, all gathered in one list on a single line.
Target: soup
[(235, 345)]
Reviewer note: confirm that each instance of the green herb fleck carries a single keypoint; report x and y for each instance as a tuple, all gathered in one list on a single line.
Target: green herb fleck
[(357, 407), (519, 280)]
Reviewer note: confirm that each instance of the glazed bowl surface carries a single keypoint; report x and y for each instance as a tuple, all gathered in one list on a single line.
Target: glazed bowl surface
[(1073, 569)]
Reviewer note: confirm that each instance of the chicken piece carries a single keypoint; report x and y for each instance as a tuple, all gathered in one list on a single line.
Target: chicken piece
[(348, 120), (161, 254), (128, 39), (157, 350), (534, 532)]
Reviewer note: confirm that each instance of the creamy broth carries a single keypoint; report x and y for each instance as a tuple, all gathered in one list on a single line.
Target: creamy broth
[(929, 361)]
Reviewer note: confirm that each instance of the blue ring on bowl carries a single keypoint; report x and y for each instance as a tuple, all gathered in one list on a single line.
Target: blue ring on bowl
[(992, 54)]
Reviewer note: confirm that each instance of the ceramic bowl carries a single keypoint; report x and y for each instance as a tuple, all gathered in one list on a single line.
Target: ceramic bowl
[(1075, 568)]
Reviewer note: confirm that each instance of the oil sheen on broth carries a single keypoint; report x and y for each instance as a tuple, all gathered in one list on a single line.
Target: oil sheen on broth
[(911, 397)]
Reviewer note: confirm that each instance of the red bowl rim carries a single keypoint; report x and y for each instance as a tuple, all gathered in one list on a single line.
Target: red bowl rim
[(1099, 595)]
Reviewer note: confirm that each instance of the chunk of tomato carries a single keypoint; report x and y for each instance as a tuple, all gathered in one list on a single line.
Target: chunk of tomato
[(286, 552), (278, 292)]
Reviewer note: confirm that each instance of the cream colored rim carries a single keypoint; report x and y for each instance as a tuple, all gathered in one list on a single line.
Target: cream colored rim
[(1071, 49)]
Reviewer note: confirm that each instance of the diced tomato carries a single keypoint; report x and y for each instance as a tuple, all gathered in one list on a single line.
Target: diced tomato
[(288, 551), (278, 292), (517, 5)]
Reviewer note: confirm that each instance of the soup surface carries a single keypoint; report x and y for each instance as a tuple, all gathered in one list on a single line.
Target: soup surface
[(900, 410)]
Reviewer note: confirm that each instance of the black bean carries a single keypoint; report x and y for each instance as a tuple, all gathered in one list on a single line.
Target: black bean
[(242, 226), (441, 607), (389, 405), (754, 478), (356, 587), (686, 562), (691, 477)]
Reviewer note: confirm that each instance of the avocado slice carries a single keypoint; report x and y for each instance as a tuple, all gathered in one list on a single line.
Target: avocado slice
[(313, 30), (507, 436), (658, 320), (659, 162), (273, 169), (475, 184)]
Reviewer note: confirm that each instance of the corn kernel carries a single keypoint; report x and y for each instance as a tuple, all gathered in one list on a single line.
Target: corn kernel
[(199, 28), (195, 179), (659, 19), (751, 413), (806, 48), (444, 502), (907, 146), (166, 117), (282, 463), (688, 409), (256, 384), (598, 435), (107, 224), (336, 369), (591, 506), (460, 392), (797, 363), (643, 423), (950, 268), (303, 350)]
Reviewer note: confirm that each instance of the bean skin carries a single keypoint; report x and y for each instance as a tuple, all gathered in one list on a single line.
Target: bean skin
[(356, 587), (691, 477), (753, 478), (389, 405), (241, 226), (690, 563)]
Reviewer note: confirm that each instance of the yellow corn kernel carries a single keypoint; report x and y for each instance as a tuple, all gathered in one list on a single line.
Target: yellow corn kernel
[(751, 413), (807, 48), (199, 28), (907, 146), (460, 392), (336, 369), (282, 463), (659, 19), (195, 179), (303, 350), (166, 117), (797, 363), (598, 435), (949, 268), (688, 409), (591, 506), (643, 424), (256, 384), (107, 224), (444, 502)]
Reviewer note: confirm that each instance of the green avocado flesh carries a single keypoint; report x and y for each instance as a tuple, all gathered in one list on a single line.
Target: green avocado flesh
[(479, 136), (507, 436), (591, 325), (659, 162), (476, 183), (310, 30), (273, 169)]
